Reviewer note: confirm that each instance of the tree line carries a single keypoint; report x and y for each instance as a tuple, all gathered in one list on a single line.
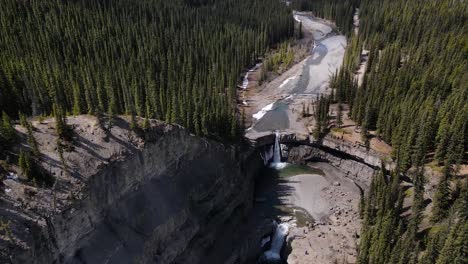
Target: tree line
[(391, 235), (415, 92), (415, 97), (178, 61)]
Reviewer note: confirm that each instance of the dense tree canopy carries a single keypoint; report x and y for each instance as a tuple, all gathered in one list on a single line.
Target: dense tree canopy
[(415, 92), (178, 61), (415, 96), (389, 237)]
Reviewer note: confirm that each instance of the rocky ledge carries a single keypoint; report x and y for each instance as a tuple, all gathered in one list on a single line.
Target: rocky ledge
[(160, 196)]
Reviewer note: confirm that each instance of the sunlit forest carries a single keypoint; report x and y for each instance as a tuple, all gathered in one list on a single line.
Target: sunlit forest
[(178, 61)]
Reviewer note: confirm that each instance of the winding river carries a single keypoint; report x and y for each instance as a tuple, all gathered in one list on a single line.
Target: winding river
[(294, 195)]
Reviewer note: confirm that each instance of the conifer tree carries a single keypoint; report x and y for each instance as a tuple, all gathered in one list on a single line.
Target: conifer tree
[(442, 197), (31, 139), (339, 116), (61, 127), (456, 244), (443, 137), (6, 130), (132, 65), (25, 164)]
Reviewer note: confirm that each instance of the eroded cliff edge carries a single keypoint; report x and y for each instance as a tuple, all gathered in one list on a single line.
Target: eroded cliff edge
[(157, 197)]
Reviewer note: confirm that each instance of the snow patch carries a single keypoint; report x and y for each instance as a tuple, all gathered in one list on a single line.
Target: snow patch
[(245, 82), (262, 112), (286, 81)]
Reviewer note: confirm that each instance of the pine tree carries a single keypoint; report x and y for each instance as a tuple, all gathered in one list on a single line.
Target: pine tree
[(339, 116), (456, 244), (76, 100), (146, 124), (25, 164), (301, 34), (461, 203), (132, 65), (133, 122), (442, 197), (31, 139), (6, 130), (443, 136), (61, 127), (61, 157)]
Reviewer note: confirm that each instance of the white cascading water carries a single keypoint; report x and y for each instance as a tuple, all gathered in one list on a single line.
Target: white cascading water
[(281, 232), (276, 163), (277, 153)]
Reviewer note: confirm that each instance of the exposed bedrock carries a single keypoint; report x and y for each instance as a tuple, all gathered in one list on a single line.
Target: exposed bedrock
[(167, 203), (358, 162), (358, 171)]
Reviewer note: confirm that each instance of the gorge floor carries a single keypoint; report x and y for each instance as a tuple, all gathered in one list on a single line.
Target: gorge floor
[(320, 206)]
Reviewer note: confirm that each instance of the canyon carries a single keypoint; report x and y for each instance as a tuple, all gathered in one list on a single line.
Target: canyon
[(161, 196), (164, 195)]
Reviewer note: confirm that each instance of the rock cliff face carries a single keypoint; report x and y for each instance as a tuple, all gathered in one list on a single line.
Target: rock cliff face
[(352, 166), (162, 200), (356, 161)]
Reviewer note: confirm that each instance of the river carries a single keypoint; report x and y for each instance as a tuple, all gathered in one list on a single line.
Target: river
[(302, 82), (304, 201)]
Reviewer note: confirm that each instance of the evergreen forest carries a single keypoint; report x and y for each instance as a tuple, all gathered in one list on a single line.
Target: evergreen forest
[(415, 97), (179, 61)]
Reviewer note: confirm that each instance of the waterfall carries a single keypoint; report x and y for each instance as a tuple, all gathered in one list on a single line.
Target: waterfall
[(277, 243), (276, 163), (277, 153)]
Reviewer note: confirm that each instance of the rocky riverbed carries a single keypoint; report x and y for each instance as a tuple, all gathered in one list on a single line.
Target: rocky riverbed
[(318, 200), (281, 101), (332, 200)]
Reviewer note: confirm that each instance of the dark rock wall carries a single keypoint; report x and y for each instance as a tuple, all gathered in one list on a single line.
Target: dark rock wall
[(166, 204)]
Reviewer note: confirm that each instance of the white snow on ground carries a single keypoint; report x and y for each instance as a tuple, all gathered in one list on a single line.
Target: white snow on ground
[(262, 112), (286, 81), (245, 82)]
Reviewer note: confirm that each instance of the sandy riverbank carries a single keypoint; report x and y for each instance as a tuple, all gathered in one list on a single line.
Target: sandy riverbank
[(332, 200), (299, 85)]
